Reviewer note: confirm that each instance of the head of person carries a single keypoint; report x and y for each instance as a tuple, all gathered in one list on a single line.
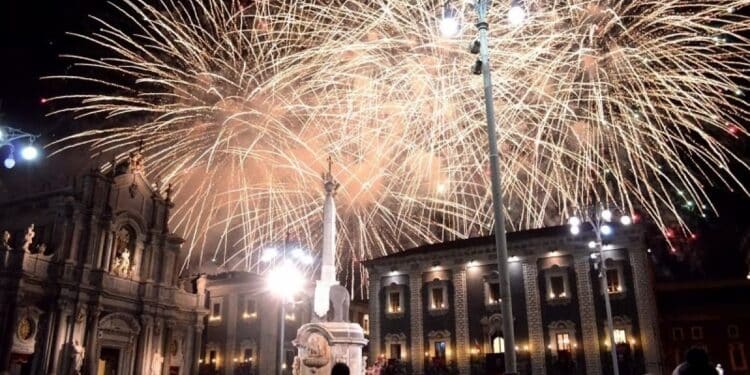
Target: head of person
[(340, 369), (696, 362)]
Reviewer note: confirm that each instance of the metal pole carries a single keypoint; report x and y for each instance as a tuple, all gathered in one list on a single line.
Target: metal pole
[(605, 290), (497, 195), (282, 320)]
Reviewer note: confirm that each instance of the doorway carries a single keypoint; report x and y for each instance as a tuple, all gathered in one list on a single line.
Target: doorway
[(109, 360)]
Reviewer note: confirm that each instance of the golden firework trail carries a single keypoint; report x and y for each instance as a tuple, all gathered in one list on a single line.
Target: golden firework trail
[(239, 105)]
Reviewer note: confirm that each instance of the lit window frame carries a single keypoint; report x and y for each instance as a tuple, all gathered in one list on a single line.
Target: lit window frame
[(557, 271), (401, 292), (431, 288)]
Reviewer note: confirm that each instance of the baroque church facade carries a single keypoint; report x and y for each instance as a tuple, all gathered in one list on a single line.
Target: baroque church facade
[(89, 281)]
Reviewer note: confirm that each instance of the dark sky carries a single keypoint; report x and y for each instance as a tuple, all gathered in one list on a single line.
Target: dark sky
[(32, 36)]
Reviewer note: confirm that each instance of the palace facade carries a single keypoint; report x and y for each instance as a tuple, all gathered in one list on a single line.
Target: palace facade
[(439, 305), (89, 281)]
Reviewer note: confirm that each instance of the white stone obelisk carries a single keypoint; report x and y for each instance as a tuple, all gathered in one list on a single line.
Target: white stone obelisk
[(328, 264)]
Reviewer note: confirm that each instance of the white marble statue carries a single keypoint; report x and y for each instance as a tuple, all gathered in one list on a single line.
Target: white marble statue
[(78, 355), (122, 264), (5, 241), (28, 238), (156, 364)]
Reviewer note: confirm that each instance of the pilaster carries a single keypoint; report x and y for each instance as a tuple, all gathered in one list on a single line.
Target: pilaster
[(463, 346), (415, 314), (646, 304), (92, 339), (534, 317), (374, 294), (589, 329), (197, 344)]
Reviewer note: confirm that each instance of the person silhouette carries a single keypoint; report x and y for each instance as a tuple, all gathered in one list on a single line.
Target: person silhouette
[(340, 369)]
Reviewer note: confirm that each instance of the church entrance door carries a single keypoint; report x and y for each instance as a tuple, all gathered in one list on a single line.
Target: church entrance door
[(109, 361)]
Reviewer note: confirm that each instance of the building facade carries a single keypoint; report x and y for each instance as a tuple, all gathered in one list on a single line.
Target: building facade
[(89, 281), (439, 305), (242, 328), (710, 314)]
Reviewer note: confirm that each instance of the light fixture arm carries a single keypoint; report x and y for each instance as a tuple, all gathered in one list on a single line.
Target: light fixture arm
[(9, 135)]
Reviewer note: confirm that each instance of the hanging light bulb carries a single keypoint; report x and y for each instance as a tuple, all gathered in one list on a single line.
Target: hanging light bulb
[(575, 229), (449, 25), (607, 215), (9, 162), (626, 220), (516, 14), (574, 221), (606, 229), (29, 152)]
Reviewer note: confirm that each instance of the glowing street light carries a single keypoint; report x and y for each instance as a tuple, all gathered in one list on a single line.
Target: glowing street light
[(10, 135), (29, 152), (285, 280), (516, 14)]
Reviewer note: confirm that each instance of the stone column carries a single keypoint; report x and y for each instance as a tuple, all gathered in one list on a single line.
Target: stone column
[(415, 314), (63, 314), (534, 317), (231, 314), (49, 338), (92, 339), (75, 238), (460, 306), (647, 317), (170, 325), (374, 294), (143, 355), (107, 262), (195, 366), (589, 327)]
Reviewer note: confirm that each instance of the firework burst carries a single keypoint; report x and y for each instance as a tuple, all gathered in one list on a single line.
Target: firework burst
[(240, 105)]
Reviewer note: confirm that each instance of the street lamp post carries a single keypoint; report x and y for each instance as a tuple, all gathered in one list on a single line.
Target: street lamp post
[(10, 135), (285, 280), (599, 218), (501, 246), (449, 27)]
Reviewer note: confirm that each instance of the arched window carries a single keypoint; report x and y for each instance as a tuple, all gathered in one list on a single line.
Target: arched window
[(498, 344)]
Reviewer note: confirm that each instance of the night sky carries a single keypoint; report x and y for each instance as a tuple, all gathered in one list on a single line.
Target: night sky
[(32, 36)]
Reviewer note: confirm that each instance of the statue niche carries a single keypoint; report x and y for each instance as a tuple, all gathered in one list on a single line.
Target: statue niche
[(123, 264)]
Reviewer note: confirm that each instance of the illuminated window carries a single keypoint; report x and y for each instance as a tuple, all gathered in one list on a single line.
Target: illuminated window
[(620, 336), (216, 309), (613, 281), (213, 358), (249, 308), (557, 284), (395, 351), (437, 298), (493, 292), (366, 323), (498, 345), (394, 302), (247, 355), (440, 349), (215, 312), (563, 342), (558, 289)]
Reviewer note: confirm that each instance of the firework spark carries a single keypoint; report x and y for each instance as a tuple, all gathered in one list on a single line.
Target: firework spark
[(618, 101)]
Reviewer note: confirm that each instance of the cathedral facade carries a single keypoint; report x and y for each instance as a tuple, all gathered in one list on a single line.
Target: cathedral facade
[(89, 281)]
